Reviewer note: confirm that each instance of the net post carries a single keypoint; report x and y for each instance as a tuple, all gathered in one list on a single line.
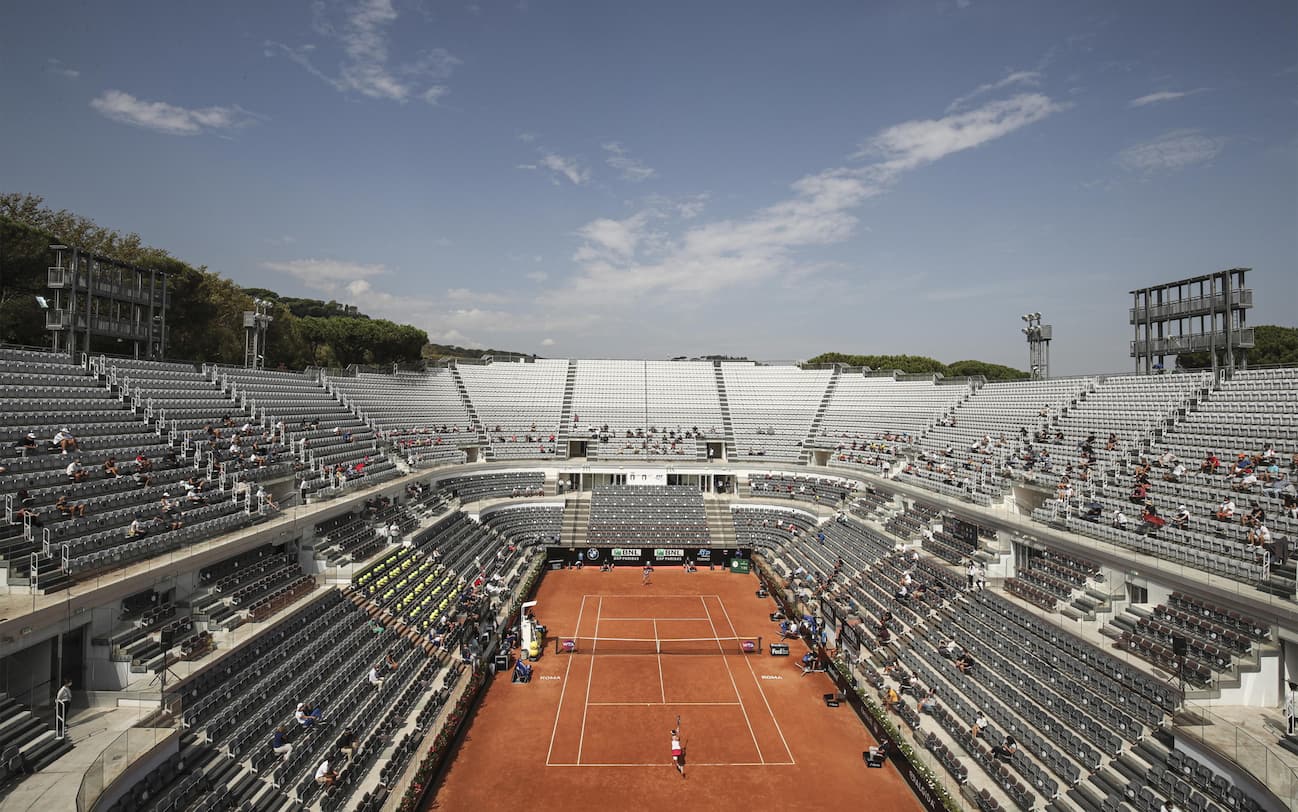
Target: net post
[(759, 644)]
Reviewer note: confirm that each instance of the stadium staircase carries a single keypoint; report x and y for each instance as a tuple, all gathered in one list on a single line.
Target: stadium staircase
[(483, 440), (726, 425), (721, 524), (804, 458), (576, 522), (565, 416)]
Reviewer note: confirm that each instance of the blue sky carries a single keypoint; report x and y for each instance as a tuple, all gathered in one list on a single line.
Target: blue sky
[(648, 180)]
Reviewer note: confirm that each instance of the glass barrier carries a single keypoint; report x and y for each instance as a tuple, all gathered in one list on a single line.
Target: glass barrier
[(146, 728), (1239, 735)]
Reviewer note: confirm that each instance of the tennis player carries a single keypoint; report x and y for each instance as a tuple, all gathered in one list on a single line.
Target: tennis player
[(645, 574), (678, 753)]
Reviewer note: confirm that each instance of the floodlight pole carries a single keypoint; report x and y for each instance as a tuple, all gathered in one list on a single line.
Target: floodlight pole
[(1038, 336)]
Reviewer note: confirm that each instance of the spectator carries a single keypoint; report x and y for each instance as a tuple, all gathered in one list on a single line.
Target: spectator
[(280, 745), (374, 678), (324, 774), (1226, 510), (306, 716), (1181, 520), (347, 743), (65, 440), (1256, 515), (929, 701), (964, 662), (76, 473), (980, 724), (1210, 464), (890, 699), (169, 512), (26, 446), (138, 528), (1006, 749), (1259, 537), (63, 699), (68, 508)]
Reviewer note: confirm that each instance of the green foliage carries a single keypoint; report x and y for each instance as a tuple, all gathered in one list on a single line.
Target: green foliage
[(302, 308), (922, 364), (1275, 346), (205, 311), (992, 372), (435, 351)]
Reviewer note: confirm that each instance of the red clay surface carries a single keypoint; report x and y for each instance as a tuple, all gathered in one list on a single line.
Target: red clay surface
[(592, 730)]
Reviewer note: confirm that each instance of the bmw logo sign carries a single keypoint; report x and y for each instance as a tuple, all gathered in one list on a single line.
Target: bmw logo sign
[(592, 554)]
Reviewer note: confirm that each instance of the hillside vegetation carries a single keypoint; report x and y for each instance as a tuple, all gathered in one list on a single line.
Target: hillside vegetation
[(923, 365), (204, 316)]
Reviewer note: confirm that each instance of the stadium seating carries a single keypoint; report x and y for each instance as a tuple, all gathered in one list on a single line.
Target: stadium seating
[(773, 408), (519, 406), (647, 514), (1089, 724)]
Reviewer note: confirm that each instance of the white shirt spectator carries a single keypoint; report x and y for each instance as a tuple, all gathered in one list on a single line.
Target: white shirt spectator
[(322, 770)]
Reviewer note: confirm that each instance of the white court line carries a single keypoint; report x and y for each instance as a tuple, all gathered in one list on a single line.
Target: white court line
[(662, 684), (660, 765), (590, 677), (564, 691), (655, 618), (638, 596), (726, 661), (758, 683), (650, 704)]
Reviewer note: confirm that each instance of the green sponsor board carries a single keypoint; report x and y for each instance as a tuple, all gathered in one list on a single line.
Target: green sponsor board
[(739, 565)]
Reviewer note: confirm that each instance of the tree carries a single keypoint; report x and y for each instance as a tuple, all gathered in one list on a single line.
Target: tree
[(1274, 346), (921, 364), (204, 312)]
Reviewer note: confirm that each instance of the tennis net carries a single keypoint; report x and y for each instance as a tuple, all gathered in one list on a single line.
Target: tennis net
[(658, 645)]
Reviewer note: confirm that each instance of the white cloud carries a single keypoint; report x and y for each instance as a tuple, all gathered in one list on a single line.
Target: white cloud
[(1029, 78), (569, 168), (57, 68), (537, 276), (620, 260), (366, 65), (1171, 151), (628, 168), (466, 295), (168, 118), (692, 206), (457, 338), (1164, 95), (527, 138), (549, 342), (328, 275), (906, 146)]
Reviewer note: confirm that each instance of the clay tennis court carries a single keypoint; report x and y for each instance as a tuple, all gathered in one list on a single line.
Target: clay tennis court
[(592, 729)]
